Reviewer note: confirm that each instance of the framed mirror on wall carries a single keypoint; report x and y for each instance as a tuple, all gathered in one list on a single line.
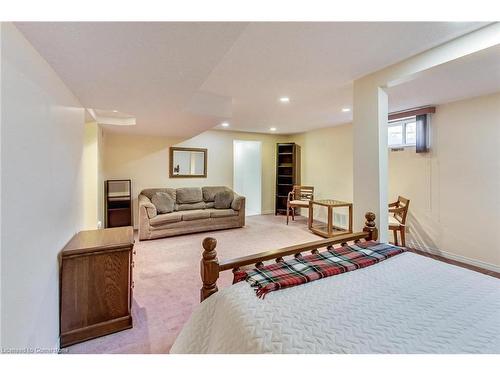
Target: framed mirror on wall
[(188, 162)]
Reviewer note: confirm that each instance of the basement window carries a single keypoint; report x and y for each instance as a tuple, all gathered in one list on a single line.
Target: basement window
[(402, 132)]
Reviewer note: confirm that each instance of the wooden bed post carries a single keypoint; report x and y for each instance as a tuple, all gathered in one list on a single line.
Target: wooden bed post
[(209, 268), (370, 226)]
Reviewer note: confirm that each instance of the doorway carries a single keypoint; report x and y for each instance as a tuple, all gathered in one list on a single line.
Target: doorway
[(247, 174)]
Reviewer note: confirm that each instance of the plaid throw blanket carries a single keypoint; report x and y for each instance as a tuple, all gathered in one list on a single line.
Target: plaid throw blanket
[(316, 266)]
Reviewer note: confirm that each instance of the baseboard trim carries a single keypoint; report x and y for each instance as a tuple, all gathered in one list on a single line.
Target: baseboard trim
[(267, 212), (95, 330), (458, 258)]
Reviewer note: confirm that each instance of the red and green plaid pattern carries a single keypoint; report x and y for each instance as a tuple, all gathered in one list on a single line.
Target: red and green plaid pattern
[(316, 266)]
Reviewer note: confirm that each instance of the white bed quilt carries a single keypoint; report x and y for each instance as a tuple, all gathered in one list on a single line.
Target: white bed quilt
[(406, 304)]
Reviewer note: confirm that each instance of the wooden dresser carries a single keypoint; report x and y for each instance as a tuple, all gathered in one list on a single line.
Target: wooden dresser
[(96, 284)]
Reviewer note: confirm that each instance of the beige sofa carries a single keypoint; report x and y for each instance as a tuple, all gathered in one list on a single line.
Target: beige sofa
[(194, 211)]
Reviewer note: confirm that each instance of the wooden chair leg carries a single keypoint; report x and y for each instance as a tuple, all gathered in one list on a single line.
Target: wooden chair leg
[(293, 213), (395, 237), (287, 213), (403, 237)]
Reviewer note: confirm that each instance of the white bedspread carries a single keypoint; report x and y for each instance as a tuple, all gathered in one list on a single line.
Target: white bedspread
[(406, 304)]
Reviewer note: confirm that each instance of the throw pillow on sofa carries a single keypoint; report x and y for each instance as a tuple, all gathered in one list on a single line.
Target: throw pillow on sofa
[(223, 199), (163, 202), (189, 195)]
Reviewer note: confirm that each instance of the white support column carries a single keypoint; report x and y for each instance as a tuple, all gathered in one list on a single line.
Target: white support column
[(370, 155)]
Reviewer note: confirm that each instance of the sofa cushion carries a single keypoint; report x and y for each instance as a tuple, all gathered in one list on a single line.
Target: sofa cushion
[(222, 212), (163, 202), (237, 202), (162, 219), (195, 215), (150, 192), (223, 199), (189, 195), (210, 191), (209, 204), (190, 206)]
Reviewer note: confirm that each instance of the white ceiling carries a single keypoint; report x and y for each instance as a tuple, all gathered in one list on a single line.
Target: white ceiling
[(179, 79), (473, 75)]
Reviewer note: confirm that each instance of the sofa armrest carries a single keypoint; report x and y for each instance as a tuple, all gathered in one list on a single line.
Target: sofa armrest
[(238, 202), (146, 205)]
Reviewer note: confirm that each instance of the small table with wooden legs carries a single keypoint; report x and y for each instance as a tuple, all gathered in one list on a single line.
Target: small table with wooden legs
[(328, 229)]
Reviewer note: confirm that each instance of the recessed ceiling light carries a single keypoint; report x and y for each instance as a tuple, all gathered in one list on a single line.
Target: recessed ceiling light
[(284, 99), (346, 109), (225, 124), (272, 129), (114, 110)]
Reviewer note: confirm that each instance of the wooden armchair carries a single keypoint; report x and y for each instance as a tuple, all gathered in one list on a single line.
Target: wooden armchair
[(397, 221), (299, 197)]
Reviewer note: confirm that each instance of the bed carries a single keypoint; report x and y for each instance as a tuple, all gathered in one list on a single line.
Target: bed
[(406, 304)]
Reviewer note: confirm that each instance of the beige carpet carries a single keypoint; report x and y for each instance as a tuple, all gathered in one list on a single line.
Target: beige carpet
[(167, 280)]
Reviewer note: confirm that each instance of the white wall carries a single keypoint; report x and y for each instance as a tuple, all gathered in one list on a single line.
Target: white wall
[(90, 161), (100, 176), (41, 146), (326, 156), (1, 127), (455, 189), (93, 183), (327, 164)]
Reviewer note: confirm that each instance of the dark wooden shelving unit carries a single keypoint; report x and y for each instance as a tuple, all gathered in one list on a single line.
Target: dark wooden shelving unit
[(287, 173), (118, 203)]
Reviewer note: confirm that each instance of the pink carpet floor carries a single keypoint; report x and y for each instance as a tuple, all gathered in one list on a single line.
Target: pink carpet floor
[(167, 280)]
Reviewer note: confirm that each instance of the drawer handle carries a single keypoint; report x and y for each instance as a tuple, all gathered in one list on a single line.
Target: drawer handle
[(133, 285)]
